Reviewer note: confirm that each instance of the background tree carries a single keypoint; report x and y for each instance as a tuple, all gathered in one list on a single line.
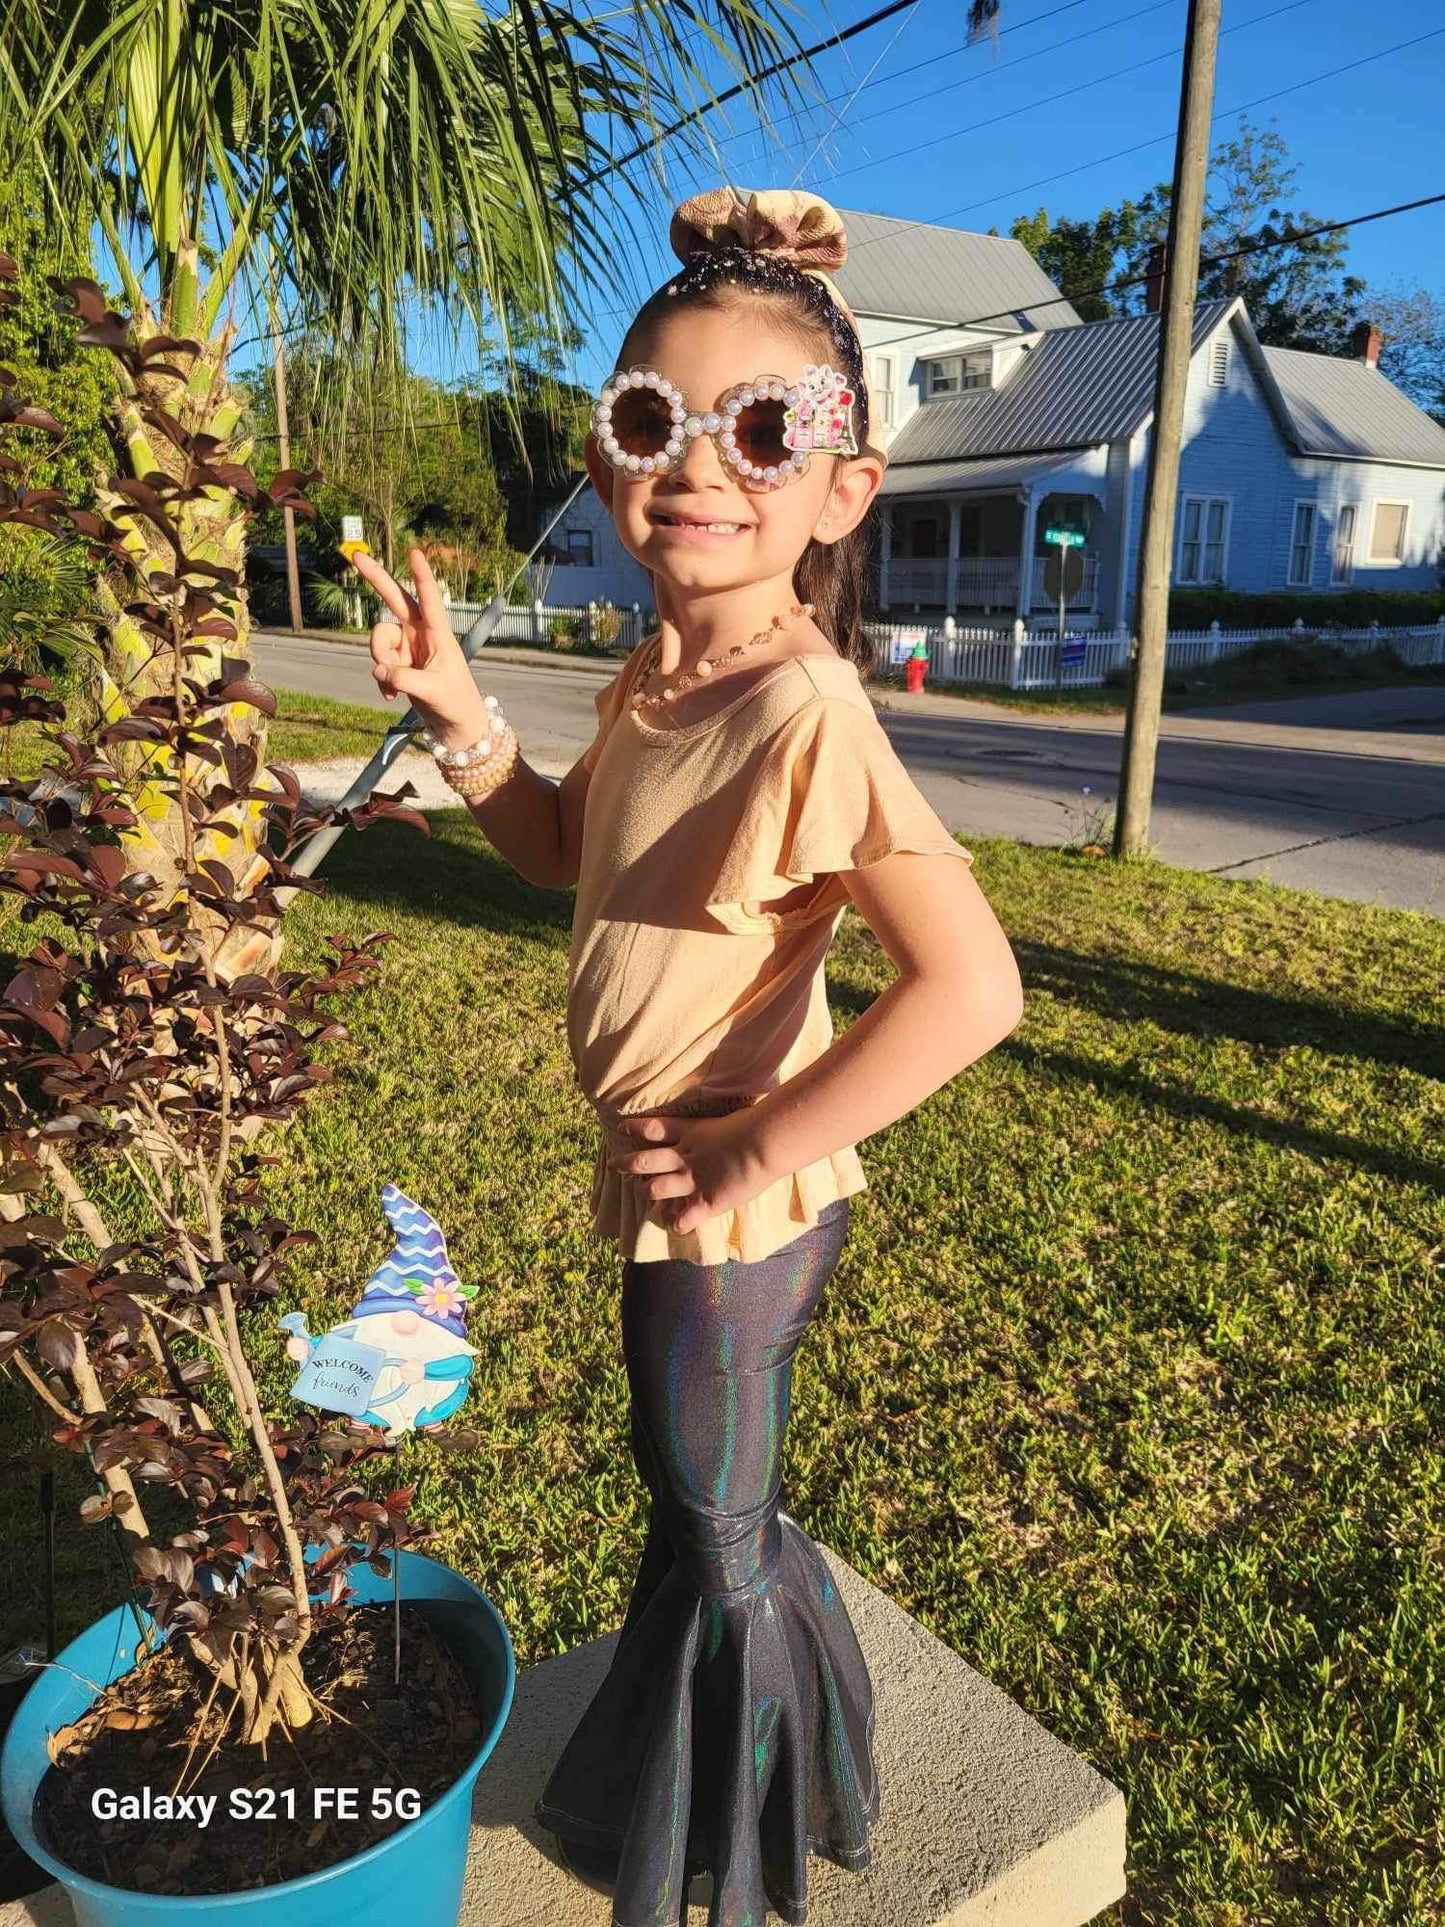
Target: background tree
[(49, 610), (1082, 257), (425, 152), (1411, 319), (1298, 295)]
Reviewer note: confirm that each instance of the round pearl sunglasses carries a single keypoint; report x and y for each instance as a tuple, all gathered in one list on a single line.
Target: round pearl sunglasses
[(764, 429)]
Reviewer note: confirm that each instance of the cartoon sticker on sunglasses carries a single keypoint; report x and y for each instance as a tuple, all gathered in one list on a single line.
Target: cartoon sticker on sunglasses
[(764, 429), (821, 417)]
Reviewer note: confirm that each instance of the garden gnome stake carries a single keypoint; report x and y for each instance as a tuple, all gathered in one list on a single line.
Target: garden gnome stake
[(401, 1360)]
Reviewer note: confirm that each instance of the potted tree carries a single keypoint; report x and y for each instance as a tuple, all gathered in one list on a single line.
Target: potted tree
[(249, 1730)]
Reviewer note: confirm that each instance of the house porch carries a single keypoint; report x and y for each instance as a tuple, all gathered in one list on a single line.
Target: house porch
[(968, 537)]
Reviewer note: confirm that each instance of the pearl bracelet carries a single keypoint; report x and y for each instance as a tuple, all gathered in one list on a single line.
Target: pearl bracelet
[(478, 781), (478, 751)]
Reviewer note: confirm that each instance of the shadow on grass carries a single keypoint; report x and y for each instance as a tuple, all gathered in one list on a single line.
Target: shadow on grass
[(1203, 1007), (1198, 1006), (451, 873)]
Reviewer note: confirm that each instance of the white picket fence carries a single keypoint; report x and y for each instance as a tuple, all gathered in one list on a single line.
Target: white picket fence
[(593, 624), (1019, 658), (1013, 657)]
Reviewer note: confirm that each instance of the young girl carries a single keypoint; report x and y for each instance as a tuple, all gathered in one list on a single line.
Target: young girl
[(738, 794)]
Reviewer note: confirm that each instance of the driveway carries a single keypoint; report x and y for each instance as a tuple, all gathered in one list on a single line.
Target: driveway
[(1343, 794)]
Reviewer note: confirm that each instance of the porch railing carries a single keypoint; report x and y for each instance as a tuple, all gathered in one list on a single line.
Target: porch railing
[(980, 582)]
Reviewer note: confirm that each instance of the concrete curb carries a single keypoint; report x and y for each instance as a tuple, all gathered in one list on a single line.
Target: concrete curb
[(986, 1819)]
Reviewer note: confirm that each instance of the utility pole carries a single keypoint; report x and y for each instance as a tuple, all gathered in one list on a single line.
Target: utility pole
[(283, 437), (1176, 339)]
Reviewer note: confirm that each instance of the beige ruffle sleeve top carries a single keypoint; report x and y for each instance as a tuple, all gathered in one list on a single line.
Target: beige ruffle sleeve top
[(689, 995)]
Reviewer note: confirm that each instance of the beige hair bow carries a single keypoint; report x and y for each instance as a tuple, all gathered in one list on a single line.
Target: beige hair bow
[(796, 227)]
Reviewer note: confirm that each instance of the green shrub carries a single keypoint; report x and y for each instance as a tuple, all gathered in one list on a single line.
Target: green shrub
[(564, 631), (606, 624), (1279, 608)]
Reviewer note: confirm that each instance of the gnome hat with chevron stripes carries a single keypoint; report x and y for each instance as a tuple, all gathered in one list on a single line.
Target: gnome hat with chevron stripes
[(415, 1275)]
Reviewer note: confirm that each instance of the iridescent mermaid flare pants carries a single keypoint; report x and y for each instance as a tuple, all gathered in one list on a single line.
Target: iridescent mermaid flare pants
[(734, 1729)]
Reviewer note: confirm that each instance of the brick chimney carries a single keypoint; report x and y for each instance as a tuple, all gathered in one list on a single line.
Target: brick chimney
[(1366, 342), (1154, 279)]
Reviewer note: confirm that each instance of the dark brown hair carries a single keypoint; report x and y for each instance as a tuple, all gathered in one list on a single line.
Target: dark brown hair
[(833, 576)]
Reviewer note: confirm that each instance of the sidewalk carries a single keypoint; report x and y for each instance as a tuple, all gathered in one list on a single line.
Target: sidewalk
[(572, 660)]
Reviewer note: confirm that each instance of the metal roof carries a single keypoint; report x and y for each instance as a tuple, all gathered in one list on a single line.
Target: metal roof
[(1077, 387), (989, 474), (916, 272), (1346, 408)]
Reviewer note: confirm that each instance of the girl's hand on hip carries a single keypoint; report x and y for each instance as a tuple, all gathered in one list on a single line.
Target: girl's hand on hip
[(419, 656), (708, 1164)]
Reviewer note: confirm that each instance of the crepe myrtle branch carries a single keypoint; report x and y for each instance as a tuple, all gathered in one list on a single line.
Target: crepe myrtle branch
[(151, 1034)]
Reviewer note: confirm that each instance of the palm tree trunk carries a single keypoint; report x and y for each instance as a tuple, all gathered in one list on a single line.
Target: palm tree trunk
[(190, 389)]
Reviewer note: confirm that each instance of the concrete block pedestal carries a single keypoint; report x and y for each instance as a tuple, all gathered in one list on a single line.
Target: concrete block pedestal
[(987, 1820)]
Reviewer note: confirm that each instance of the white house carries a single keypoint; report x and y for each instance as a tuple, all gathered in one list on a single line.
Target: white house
[(1004, 415)]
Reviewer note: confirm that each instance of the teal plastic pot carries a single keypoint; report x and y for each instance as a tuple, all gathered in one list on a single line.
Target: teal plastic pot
[(415, 1876)]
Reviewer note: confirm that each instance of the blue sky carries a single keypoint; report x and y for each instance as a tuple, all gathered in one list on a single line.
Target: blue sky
[(912, 122), (970, 153)]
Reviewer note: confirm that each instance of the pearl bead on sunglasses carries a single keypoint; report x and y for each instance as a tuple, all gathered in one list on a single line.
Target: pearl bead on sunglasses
[(659, 439)]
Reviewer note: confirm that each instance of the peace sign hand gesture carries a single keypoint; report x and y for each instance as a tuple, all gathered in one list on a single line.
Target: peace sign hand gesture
[(419, 655)]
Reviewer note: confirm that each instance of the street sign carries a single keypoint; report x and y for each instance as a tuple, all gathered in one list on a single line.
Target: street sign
[(1063, 575), (1065, 538)]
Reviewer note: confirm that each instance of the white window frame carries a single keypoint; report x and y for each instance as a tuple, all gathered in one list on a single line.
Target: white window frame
[(882, 374), (583, 535), (1342, 552), (1373, 561), (1292, 580), (1206, 502), (953, 369)]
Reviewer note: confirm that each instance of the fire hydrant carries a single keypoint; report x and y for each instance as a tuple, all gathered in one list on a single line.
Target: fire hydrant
[(917, 668)]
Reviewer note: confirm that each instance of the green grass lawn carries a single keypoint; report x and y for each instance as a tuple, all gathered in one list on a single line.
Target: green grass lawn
[(305, 729), (1128, 1384)]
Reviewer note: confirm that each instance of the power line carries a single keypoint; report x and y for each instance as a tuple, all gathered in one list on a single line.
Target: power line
[(874, 19), (1290, 239), (1290, 6), (1121, 153), (1210, 261), (753, 81), (969, 80), (849, 104), (1049, 100)]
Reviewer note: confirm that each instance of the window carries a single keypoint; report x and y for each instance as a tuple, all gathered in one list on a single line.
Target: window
[(880, 387), (1387, 532), (952, 373), (579, 547), (1219, 363), (1343, 567), (1203, 538), (1302, 545)]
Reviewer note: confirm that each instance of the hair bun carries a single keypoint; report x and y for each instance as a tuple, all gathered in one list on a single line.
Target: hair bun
[(783, 222)]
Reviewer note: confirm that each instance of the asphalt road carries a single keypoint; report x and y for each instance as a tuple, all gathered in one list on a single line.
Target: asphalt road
[(1343, 794)]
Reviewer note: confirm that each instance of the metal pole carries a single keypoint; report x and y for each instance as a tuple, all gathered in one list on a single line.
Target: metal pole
[(1176, 332), (307, 859)]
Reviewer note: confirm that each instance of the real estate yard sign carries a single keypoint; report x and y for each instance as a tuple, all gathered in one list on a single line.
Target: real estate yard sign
[(903, 642)]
